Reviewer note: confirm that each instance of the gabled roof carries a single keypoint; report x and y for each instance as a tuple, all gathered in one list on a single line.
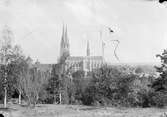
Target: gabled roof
[(81, 58)]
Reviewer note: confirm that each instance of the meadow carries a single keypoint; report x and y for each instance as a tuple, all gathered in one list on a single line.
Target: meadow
[(46, 110)]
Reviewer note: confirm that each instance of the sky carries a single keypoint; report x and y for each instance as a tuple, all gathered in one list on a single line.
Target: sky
[(139, 25)]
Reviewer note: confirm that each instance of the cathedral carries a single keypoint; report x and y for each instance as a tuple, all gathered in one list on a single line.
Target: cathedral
[(84, 63)]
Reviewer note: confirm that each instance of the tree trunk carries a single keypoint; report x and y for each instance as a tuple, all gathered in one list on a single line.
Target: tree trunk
[(5, 98), (60, 97), (37, 98), (20, 97)]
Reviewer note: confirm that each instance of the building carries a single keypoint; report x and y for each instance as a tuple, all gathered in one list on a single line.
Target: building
[(85, 63)]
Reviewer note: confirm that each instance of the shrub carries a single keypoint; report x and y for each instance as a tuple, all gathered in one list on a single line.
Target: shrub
[(109, 86), (159, 99), (159, 85), (113, 86)]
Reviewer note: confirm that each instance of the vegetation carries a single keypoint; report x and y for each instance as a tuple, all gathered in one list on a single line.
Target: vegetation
[(107, 86), (18, 75), (160, 84)]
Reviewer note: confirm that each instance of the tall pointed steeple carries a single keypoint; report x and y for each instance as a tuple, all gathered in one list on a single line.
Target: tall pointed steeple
[(66, 37), (64, 46), (62, 37), (88, 49)]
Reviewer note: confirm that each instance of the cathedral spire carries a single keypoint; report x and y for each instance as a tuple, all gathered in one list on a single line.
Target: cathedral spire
[(66, 37), (64, 46), (88, 49), (62, 38)]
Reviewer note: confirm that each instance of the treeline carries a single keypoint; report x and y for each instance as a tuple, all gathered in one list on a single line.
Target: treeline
[(21, 78), (110, 86), (19, 75), (106, 86)]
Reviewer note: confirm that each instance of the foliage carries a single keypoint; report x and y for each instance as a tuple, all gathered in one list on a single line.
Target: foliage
[(60, 83), (117, 87), (53, 86), (159, 99), (160, 84), (107, 83), (33, 83), (79, 82), (9, 54)]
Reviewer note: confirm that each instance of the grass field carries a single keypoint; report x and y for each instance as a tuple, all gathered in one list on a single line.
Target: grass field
[(80, 111)]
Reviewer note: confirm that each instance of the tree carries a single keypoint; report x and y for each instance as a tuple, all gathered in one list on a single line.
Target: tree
[(53, 86), (13, 63), (64, 75), (29, 79), (17, 68), (33, 83), (80, 83), (6, 55), (159, 85), (18, 72), (109, 85)]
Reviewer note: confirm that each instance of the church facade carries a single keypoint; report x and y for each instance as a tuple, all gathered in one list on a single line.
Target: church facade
[(84, 63)]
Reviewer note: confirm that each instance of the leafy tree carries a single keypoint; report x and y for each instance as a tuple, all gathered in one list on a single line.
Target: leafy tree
[(79, 84), (16, 70), (27, 79), (109, 85), (65, 78), (59, 84), (53, 86), (7, 55), (34, 81), (159, 85)]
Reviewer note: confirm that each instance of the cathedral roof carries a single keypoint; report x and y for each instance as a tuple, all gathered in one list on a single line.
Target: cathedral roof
[(80, 58)]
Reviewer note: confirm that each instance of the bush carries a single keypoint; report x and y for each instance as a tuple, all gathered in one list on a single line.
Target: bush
[(141, 92), (88, 96), (159, 85), (109, 86), (159, 99), (112, 86)]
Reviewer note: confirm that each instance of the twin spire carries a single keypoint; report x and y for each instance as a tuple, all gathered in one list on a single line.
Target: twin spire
[(65, 46), (65, 40)]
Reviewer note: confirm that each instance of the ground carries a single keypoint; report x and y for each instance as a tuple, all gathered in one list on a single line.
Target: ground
[(81, 111)]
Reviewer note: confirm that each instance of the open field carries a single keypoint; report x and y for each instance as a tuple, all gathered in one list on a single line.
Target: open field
[(81, 111)]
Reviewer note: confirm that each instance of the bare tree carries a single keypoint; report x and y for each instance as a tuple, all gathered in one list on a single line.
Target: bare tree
[(6, 55), (32, 81), (21, 67)]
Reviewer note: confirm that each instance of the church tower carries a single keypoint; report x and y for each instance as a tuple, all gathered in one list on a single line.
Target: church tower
[(64, 45)]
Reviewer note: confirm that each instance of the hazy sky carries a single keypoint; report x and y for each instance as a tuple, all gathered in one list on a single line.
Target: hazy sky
[(140, 26)]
